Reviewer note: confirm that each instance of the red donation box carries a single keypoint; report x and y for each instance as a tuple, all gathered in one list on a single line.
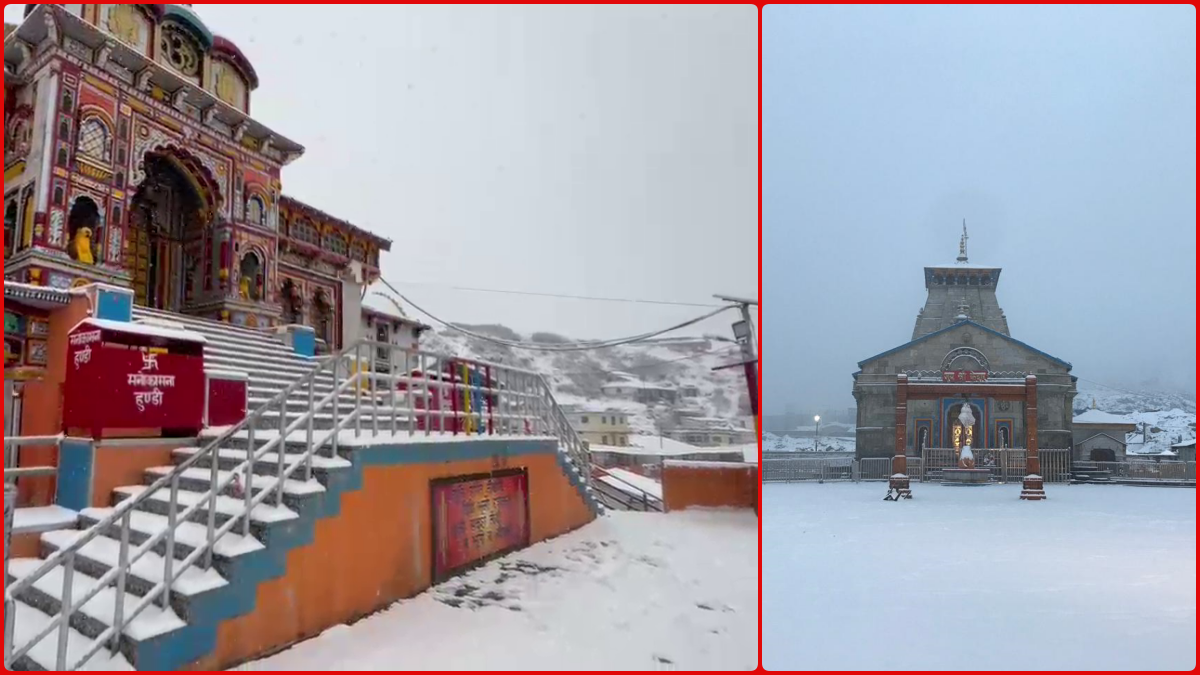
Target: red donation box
[(133, 376)]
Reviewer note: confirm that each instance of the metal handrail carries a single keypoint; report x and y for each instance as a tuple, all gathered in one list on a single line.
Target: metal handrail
[(65, 555), (522, 397), (647, 500)]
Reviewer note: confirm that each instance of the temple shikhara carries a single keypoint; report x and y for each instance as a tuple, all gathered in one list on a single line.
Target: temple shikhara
[(131, 158), (911, 398)]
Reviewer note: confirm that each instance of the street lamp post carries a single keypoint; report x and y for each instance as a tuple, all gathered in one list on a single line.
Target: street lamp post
[(817, 437)]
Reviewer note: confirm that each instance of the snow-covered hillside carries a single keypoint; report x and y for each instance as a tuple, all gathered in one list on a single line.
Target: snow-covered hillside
[(1124, 402), (773, 443), (1168, 418), (577, 377)]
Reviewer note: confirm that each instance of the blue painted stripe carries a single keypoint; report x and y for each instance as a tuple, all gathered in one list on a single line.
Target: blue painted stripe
[(304, 340), (76, 461), (114, 305)]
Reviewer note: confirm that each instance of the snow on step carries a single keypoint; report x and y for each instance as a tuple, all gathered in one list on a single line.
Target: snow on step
[(272, 458), (190, 534), (153, 620), (263, 513), (43, 519), (290, 486), (29, 622), (148, 567)]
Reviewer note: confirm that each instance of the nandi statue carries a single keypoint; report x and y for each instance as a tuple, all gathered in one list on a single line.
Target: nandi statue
[(966, 459)]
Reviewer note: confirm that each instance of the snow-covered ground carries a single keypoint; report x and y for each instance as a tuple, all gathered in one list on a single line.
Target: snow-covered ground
[(1093, 578), (631, 591)]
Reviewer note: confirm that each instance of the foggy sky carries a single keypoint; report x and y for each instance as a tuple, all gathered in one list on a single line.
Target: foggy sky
[(1064, 135), (602, 151)]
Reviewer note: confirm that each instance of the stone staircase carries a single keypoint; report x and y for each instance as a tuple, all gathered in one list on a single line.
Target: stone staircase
[(270, 364), (182, 628)]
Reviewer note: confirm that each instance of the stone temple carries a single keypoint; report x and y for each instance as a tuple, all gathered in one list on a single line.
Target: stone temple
[(961, 353)]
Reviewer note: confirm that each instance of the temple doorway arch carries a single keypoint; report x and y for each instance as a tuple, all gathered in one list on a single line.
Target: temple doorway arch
[(959, 436), (169, 218)]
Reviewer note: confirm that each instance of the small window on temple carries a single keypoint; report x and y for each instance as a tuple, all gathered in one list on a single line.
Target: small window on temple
[(10, 226), (335, 243), (255, 211), (302, 230), (94, 139)]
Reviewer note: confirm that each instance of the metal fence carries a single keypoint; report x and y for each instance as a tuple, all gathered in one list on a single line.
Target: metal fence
[(1007, 466), (1136, 470)]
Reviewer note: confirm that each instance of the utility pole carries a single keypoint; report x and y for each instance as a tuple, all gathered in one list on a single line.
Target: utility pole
[(743, 331)]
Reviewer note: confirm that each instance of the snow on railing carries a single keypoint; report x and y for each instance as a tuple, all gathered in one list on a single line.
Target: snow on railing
[(414, 393)]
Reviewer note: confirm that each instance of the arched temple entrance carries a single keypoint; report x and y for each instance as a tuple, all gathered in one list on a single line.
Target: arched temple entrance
[(168, 218), (960, 436)]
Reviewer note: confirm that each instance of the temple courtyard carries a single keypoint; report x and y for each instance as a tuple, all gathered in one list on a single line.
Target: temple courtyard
[(972, 578)]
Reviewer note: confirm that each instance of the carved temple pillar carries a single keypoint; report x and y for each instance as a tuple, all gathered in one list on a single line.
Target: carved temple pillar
[(898, 481), (1032, 487)]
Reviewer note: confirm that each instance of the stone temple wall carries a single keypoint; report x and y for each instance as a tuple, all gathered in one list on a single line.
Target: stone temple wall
[(875, 389)]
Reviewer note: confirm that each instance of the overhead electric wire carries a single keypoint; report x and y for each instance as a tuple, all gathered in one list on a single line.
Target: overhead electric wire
[(575, 347), (565, 296)]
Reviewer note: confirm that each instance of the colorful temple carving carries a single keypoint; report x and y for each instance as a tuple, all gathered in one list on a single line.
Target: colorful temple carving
[(131, 159)]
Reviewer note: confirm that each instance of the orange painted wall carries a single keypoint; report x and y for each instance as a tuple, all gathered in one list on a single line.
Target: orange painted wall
[(118, 467), (686, 485), (42, 404), (25, 546), (376, 551)]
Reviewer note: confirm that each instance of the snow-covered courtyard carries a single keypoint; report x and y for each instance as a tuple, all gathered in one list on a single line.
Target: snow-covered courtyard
[(631, 591), (960, 578)]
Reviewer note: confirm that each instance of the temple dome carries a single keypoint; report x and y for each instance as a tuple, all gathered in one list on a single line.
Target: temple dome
[(187, 16)]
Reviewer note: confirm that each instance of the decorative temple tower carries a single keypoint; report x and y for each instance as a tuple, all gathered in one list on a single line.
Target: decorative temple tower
[(131, 158), (958, 292)]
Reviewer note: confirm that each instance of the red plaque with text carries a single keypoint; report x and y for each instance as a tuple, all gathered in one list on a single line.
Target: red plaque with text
[(964, 376), (125, 376), (476, 518)]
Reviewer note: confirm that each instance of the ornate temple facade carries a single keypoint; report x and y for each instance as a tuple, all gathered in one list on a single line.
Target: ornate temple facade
[(131, 158), (961, 354)]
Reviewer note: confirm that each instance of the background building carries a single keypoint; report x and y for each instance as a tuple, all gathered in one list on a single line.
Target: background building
[(1098, 436), (599, 426)]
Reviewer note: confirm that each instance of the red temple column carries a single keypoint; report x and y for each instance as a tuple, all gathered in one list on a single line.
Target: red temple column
[(1032, 487), (898, 481)]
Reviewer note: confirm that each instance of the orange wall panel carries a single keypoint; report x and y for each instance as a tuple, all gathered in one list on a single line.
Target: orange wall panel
[(118, 467), (376, 551), (709, 485), (41, 411)]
